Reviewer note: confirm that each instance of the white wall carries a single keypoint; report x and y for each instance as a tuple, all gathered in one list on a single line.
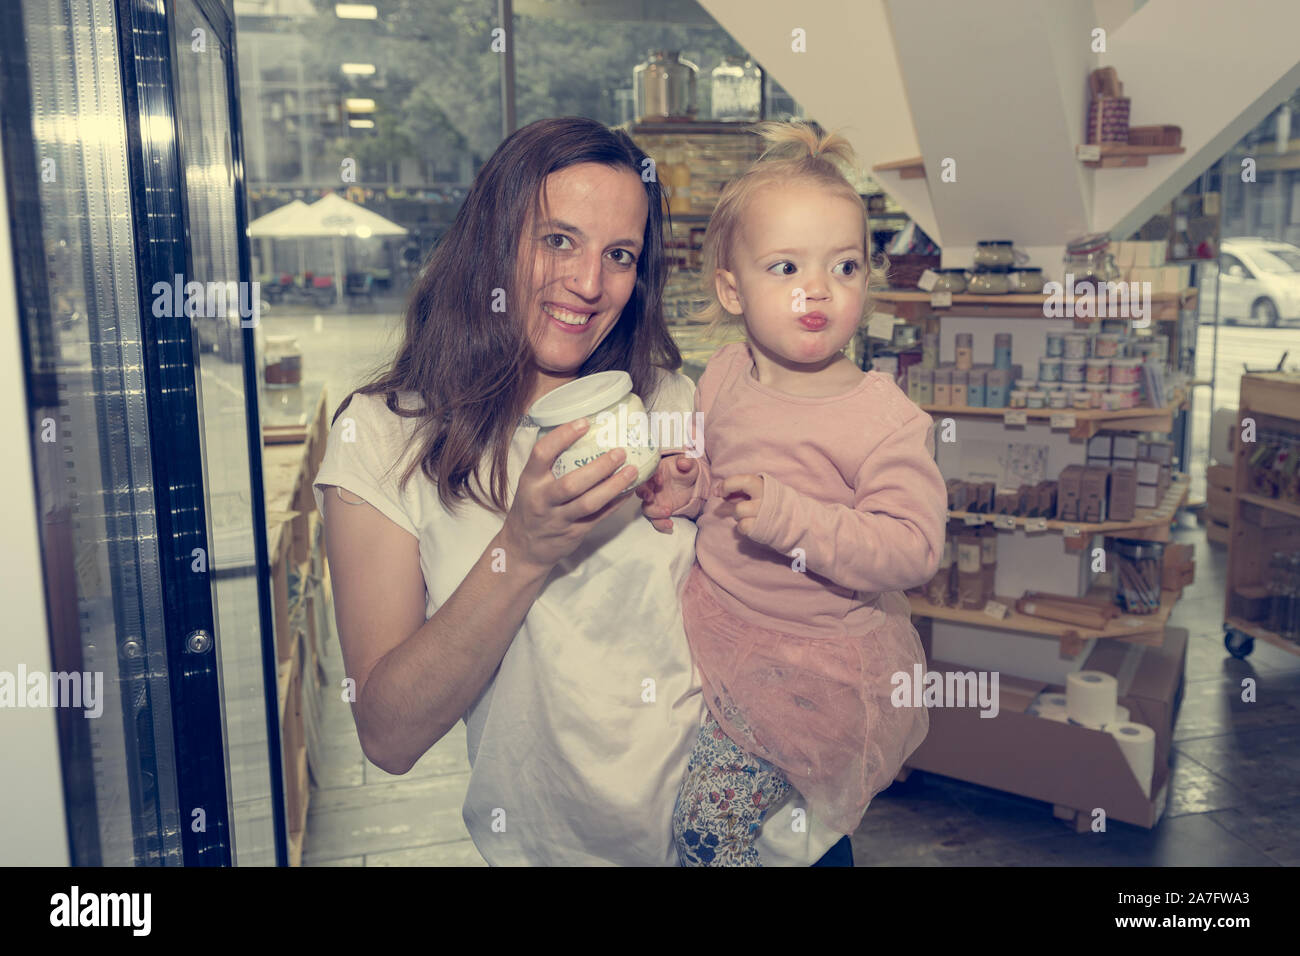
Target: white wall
[(848, 79)]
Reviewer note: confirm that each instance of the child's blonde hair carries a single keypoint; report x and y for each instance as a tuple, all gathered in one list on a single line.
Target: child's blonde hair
[(795, 151)]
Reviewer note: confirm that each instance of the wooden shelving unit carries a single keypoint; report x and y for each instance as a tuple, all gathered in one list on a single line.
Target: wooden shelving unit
[(1081, 423), (911, 306), (1117, 155), (1251, 543), (290, 460), (1131, 628), (687, 127), (913, 168)]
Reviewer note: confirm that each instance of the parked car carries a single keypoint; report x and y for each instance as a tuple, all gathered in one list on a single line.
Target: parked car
[(1259, 282)]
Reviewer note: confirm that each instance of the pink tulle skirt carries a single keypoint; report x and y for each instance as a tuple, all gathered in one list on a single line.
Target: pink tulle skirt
[(817, 708)]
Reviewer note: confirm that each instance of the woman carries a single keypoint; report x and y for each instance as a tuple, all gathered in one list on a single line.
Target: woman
[(469, 583)]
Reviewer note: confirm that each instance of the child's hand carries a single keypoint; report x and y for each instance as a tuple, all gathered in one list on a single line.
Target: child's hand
[(744, 497), (671, 487)]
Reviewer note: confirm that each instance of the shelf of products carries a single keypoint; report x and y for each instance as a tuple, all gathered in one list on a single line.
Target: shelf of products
[(1262, 596), (1131, 628), (1148, 524)]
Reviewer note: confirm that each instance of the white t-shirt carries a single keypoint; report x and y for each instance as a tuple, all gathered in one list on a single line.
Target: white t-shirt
[(575, 754)]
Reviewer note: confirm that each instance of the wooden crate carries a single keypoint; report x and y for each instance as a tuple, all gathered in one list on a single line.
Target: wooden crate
[(1218, 503), (1257, 526), (1216, 533)]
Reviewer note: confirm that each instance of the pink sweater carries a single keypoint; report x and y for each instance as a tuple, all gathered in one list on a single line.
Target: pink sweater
[(797, 628)]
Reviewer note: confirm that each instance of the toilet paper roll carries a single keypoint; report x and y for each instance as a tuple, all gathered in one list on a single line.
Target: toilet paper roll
[(1121, 716), (1137, 742), (1051, 706), (1091, 698)]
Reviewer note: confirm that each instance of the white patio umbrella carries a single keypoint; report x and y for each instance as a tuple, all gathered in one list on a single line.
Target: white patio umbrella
[(334, 216), (330, 217), (283, 222)]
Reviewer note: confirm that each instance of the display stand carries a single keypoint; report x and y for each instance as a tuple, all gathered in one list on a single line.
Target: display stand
[(1258, 525), (1030, 653)]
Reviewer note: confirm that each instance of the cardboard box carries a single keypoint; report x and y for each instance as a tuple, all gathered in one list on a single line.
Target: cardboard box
[(1178, 567), (1148, 496), (1045, 499), (1124, 446), (1006, 502), (1161, 451), (1123, 494), (1060, 763), (1170, 279), (1067, 492), (1148, 472), (1099, 445), (1092, 494), (959, 494)]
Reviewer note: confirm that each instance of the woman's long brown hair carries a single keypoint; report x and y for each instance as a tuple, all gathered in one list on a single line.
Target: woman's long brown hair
[(468, 359)]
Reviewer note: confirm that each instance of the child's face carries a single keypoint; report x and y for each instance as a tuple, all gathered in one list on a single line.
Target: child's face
[(798, 274)]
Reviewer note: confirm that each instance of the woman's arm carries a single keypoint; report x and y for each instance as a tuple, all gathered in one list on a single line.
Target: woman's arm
[(416, 677)]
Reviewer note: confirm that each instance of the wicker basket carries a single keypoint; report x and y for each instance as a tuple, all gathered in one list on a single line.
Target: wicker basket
[(905, 270)]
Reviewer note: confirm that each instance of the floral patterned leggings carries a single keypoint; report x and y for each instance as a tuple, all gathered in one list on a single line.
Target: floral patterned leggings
[(724, 797)]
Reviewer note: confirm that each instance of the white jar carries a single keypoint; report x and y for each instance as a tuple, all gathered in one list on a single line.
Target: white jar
[(618, 420)]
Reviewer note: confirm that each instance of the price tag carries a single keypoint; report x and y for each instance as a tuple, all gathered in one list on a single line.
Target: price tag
[(941, 300), (928, 278), (1073, 531), (1063, 420), (1035, 524), (973, 521), (996, 610), (1088, 152), (1015, 416), (1005, 522), (881, 326)]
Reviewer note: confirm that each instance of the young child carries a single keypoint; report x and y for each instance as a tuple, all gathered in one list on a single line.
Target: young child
[(817, 502)]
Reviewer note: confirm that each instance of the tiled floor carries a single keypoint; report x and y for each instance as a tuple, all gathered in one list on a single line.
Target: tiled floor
[(1235, 797)]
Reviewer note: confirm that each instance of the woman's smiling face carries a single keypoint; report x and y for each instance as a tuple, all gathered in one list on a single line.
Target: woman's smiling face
[(584, 254)]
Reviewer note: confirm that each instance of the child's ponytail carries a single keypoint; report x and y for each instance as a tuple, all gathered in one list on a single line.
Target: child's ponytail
[(793, 151), (801, 141)]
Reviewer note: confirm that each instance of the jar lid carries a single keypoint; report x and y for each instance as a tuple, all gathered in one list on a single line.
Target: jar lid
[(583, 396)]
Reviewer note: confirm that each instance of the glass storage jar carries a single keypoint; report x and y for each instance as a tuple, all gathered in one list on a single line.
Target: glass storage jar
[(995, 252), (618, 420), (737, 90)]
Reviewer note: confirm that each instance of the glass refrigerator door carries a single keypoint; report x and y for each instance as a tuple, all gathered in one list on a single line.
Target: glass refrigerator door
[(145, 443)]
